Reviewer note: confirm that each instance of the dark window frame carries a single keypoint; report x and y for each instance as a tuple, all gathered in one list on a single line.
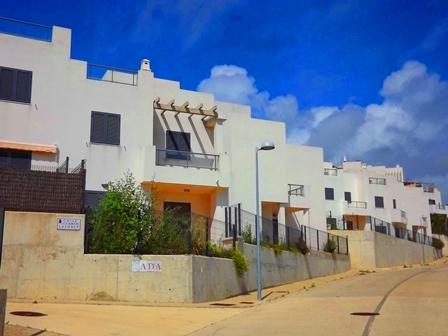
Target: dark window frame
[(329, 194), (394, 203), (379, 202), (107, 137), (431, 201), (25, 97)]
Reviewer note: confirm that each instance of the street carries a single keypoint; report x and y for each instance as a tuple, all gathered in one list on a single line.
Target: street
[(411, 301), (408, 301)]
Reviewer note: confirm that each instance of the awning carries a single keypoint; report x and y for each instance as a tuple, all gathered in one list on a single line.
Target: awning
[(49, 149)]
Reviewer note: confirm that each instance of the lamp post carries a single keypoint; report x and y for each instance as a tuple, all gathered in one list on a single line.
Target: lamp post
[(266, 145)]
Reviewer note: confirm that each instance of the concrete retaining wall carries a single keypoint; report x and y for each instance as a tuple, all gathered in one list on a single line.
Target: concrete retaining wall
[(369, 249), (42, 263)]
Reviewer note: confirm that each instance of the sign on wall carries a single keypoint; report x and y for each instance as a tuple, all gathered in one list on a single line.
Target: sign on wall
[(146, 266), (69, 224)]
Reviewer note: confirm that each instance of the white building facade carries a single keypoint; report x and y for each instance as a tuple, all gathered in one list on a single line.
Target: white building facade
[(183, 146)]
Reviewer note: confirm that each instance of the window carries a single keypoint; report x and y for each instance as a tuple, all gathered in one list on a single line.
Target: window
[(105, 128), (432, 202), (178, 145), (329, 193), (394, 203), (348, 196), (15, 159), (379, 202), (15, 85)]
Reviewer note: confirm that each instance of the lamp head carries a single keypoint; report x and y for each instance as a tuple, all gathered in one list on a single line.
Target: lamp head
[(267, 145)]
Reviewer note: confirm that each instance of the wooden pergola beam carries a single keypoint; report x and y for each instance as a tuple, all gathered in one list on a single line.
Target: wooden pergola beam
[(184, 108)]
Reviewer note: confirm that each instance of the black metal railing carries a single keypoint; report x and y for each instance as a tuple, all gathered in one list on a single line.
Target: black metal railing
[(25, 29), (168, 157), (357, 204), (48, 166), (110, 74), (292, 236), (377, 180), (296, 190)]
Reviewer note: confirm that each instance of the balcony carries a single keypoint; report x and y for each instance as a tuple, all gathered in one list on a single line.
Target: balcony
[(357, 204), (167, 157), (377, 180), (112, 75), (25, 29), (296, 190), (438, 209), (399, 216), (331, 171)]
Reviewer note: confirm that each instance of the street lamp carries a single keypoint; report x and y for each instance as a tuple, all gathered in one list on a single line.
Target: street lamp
[(266, 145)]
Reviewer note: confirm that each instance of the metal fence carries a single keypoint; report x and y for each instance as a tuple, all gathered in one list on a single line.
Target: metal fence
[(168, 157), (110, 74), (25, 29), (375, 224), (289, 236)]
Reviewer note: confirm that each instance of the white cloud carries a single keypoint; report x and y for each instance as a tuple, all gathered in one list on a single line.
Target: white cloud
[(410, 125), (233, 84)]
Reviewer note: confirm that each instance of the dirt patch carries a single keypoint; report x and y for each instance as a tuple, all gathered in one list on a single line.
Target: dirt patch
[(101, 296)]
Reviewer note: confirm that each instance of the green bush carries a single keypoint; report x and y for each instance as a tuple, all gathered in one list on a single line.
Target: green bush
[(122, 221), (240, 262), (220, 252), (248, 238), (330, 246), (170, 235), (437, 243)]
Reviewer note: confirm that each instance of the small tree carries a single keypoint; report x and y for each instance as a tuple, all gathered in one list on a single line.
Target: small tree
[(122, 221)]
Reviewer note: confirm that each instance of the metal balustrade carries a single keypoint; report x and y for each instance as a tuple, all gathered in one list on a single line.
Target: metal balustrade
[(331, 171), (296, 190), (377, 180), (168, 157), (110, 74), (357, 204), (25, 29)]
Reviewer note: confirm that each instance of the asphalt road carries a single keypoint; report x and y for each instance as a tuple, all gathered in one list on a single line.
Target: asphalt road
[(408, 301)]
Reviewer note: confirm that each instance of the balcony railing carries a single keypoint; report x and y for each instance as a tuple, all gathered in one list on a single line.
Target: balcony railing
[(296, 190), (404, 216), (113, 75), (377, 180), (331, 171), (357, 204), (25, 29), (427, 187), (168, 157)]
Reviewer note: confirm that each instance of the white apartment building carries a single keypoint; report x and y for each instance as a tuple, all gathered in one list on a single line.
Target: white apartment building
[(187, 148), (360, 196)]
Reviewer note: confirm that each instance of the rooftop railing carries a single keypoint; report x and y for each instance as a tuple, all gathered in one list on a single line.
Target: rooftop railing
[(377, 180), (296, 190), (110, 74), (357, 204), (25, 29), (168, 157), (331, 171)]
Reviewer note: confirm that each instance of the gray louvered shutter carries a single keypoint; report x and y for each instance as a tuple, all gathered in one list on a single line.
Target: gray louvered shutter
[(113, 129), (6, 84), (98, 127), (23, 86)]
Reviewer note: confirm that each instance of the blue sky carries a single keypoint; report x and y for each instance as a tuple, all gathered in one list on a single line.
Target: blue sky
[(365, 79)]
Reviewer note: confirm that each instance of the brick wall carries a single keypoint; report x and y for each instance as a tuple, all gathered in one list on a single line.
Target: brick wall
[(40, 191)]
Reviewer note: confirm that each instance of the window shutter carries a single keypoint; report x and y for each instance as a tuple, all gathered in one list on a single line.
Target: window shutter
[(23, 86), (98, 127), (6, 84), (113, 129)]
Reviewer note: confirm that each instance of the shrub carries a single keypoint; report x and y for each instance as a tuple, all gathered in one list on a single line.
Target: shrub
[(220, 252), (122, 221), (302, 247), (330, 246), (240, 262), (247, 235), (170, 235), (437, 243)]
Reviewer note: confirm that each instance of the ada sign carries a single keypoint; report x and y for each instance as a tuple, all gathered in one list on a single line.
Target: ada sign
[(146, 266), (69, 224)]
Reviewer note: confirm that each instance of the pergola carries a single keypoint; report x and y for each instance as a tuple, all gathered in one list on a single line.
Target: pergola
[(209, 116)]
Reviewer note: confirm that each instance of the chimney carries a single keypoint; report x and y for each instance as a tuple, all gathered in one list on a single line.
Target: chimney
[(145, 65)]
